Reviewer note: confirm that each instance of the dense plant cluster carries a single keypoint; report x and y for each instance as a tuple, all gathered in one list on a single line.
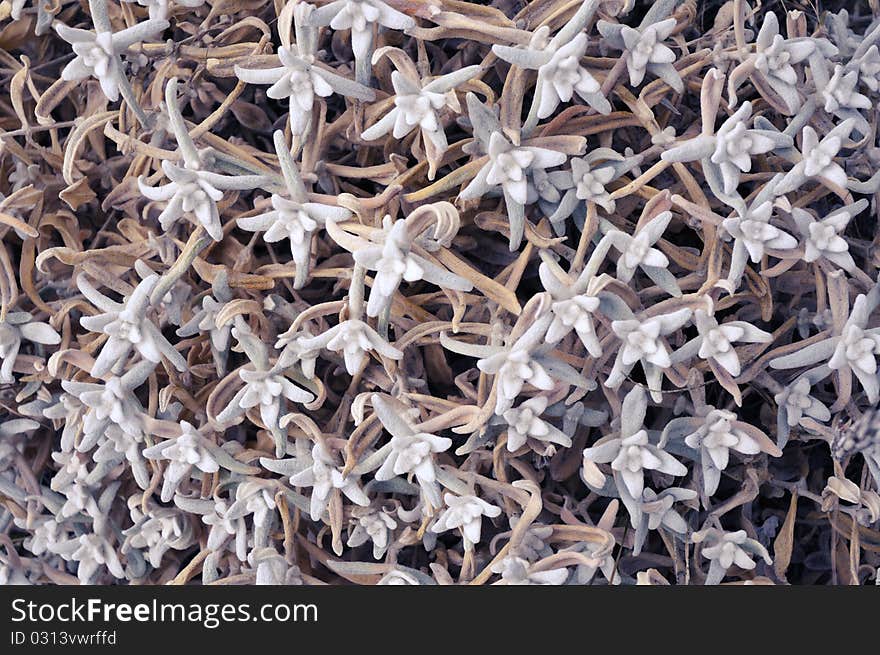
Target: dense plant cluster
[(439, 292)]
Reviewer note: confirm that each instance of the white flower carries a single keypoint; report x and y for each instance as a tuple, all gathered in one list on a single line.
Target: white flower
[(590, 182), (869, 68), (392, 252), (410, 451), (293, 217), (753, 233), (524, 422), (724, 549), (417, 104), (658, 510), (360, 16), (558, 62), (857, 349), (18, 326), (506, 168), (301, 79), (110, 403), (774, 59), (636, 251), (630, 452), (160, 529), (818, 158), (795, 403), (841, 91), (192, 189), (517, 571), (466, 514), (728, 151), (513, 367), (224, 525), (266, 389), (354, 339), (205, 321), (823, 237), (642, 341), (92, 552), (183, 454), (852, 351), (643, 45), (128, 327), (160, 9), (715, 341), (717, 437), (323, 475), (371, 525), (98, 53)]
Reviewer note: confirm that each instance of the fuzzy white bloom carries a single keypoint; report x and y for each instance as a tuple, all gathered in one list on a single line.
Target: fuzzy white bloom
[(514, 367), (128, 327), (354, 339), (157, 531), (718, 437), (724, 549), (266, 389), (98, 53), (642, 341), (590, 182), (411, 451), (301, 79), (775, 58), (645, 47), (225, 525), (713, 433), (323, 475), (507, 168), (630, 452), (754, 232), (192, 189), (857, 349), (818, 158), (841, 91), (466, 514), (417, 105), (735, 144), (715, 341), (728, 151), (160, 9), (869, 68), (524, 423), (518, 571), (361, 17), (558, 62), (110, 403), (183, 453), (92, 552), (822, 238), (575, 314), (393, 252), (852, 351), (371, 525), (18, 326), (796, 403)]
